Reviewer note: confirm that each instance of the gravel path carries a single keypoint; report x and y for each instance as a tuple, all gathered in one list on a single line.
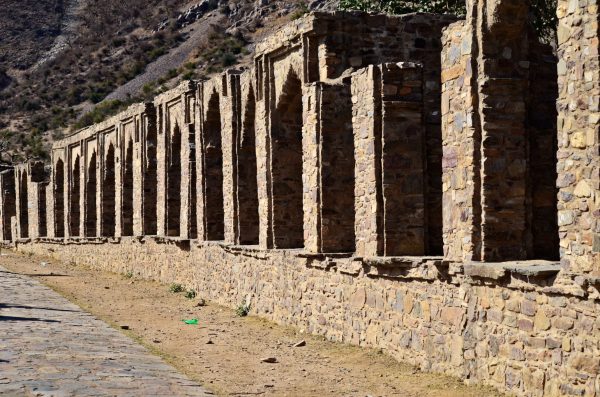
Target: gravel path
[(50, 347)]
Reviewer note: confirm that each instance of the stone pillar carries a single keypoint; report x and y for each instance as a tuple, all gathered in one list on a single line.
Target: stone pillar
[(328, 168), (187, 162), (490, 187), (230, 129), (263, 155), (22, 201), (579, 136), (66, 190), (389, 135), (161, 170), (119, 169), (37, 199), (50, 231), (137, 174), (149, 170)]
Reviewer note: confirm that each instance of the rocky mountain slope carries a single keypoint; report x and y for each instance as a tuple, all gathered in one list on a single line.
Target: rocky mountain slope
[(68, 63)]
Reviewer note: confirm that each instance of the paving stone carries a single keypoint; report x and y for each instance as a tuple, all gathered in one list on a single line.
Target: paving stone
[(44, 351)]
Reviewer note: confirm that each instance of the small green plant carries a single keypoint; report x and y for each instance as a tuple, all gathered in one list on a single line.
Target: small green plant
[(243, 309), (129, 274), (190, 294), (176, 288)]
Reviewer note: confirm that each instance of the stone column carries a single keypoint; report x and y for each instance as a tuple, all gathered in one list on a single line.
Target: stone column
[(36, 199), (148, 169), (82, 178), (161, 169), (389, 139), (22, 200), (263, 154), (328, 168), (230, 128), (119, 169), (186, 107), (138, 189), (579, 136), (485, 77), (50, 228)]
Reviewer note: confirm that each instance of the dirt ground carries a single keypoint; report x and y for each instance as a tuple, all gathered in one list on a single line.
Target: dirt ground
[(224, 351)]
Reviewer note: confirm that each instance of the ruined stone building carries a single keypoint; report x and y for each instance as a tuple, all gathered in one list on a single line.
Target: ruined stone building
[(418, 183)]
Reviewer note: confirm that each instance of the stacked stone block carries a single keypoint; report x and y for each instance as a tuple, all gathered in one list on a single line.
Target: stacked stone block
[(579, 135), (389, 140), (498, 192), (310, 185), (8, 206)]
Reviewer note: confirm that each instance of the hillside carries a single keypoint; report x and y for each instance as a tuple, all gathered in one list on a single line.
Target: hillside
[(67, 63)]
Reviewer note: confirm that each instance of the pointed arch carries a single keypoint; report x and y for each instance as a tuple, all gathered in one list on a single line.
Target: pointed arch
[(23, 207), (59, 199), (90, 198), (150, 182), (213, 171), (247, 194), (174, 184), (127, 192), (108, 194), (286, 166), (74, 199)]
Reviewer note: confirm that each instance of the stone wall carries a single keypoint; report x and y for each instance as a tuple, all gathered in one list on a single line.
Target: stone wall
[(389, 139), (499, 137), (8, 208), (579, 136), (311, 184), (514, 336)]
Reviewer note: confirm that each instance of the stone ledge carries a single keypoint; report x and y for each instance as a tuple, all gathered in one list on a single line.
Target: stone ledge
[(323, 256), (404, 267), (499, 270), (401, 261)]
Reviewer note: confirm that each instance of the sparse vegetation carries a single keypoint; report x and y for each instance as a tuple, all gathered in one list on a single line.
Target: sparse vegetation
[(225, 52), (543, 12), (129, 274), (108, 51), (176, 288), (243, 309), (190, 294), (101, 112)]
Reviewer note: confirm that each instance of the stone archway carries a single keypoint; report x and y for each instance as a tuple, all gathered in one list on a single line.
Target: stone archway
[(247, 187), (108, 194), (213, 171), (286, 167)]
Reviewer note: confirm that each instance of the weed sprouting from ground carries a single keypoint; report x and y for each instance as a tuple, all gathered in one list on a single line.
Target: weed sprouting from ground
[(176, 288), (243, 309), (190, 294), (129, 275)]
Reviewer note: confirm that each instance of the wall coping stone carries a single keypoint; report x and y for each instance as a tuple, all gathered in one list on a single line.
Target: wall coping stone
[(498, 270)]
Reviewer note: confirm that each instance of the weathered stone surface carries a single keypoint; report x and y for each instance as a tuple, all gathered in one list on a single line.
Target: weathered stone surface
[(408, 318), (50, 345), (286, 184), (579, 133)]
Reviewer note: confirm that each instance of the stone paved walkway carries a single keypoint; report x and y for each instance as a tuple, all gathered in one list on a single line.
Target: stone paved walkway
[(50, 347)]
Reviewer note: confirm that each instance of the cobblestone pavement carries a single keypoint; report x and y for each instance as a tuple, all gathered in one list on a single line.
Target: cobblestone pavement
[(51, 347)]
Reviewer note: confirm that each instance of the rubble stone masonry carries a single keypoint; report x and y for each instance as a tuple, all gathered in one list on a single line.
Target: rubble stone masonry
[(414, 183), (579, 136)]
